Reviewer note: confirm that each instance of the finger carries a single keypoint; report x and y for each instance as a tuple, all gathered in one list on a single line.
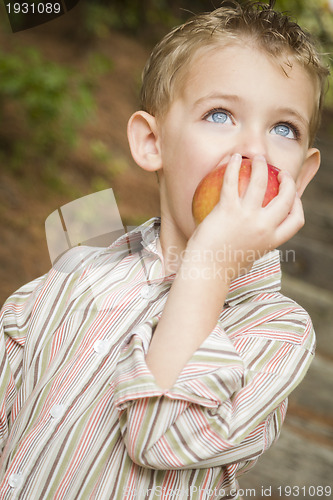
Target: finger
[(256, 189), (291, 224), (282, 204), (230, 180)]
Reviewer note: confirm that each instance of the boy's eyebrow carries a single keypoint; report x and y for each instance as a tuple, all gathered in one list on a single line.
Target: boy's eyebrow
[(217, 95), (295, 114)]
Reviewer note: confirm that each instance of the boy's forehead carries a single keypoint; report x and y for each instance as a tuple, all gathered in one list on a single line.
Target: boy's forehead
[(231, 66)]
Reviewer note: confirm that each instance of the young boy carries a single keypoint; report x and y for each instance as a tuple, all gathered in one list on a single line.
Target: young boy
[(160, 367)]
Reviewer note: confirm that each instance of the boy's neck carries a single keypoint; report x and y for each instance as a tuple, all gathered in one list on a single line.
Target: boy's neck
[(172, 244)]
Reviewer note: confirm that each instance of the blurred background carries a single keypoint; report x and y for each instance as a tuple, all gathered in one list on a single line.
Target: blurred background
[(67, 89)]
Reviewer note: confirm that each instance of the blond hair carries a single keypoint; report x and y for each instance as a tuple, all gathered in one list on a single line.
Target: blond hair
[(270, 30)]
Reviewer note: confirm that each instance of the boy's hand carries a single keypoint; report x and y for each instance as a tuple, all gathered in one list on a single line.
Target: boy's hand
[(239, 230), (224, 245)]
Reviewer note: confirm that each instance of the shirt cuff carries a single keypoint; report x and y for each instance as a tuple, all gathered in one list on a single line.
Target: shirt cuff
[(212, 375)]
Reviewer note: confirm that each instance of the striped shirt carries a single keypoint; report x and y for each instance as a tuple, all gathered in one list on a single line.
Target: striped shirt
[(81, 415)]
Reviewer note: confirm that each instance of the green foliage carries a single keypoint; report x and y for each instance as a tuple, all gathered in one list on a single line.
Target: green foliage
[(113, 164), (48, 101), (147, 18)]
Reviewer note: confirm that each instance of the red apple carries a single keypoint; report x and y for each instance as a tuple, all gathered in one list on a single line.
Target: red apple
[(207, 193)]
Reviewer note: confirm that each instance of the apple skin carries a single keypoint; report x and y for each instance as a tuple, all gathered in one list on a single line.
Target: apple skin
[(207, 193)]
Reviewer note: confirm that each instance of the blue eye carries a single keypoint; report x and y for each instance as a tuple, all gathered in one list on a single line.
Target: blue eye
[(284, 131), (218, 116)]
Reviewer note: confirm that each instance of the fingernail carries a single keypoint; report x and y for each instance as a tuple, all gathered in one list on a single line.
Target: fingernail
[(260, 157), (236, 157)]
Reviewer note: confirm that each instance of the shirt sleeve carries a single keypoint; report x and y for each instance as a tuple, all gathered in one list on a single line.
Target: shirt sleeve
[(14, 317), (230, 400)]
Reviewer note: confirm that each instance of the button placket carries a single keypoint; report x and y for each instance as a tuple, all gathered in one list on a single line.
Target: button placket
[(57, 411), (15, 480), (101, 346), (147, 291)]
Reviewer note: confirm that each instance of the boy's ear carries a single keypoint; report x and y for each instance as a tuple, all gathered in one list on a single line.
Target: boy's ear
[(308, 170), (142, 133)]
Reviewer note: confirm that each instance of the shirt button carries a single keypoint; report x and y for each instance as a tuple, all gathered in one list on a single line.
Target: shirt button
[(57, 411), (15, 480), (101, 346), (147, 291)]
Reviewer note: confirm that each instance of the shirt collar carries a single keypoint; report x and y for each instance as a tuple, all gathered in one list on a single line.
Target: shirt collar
[(143, 236), (264, 276)]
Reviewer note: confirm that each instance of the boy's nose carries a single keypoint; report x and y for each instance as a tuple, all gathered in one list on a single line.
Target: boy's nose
[(252, 144)]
